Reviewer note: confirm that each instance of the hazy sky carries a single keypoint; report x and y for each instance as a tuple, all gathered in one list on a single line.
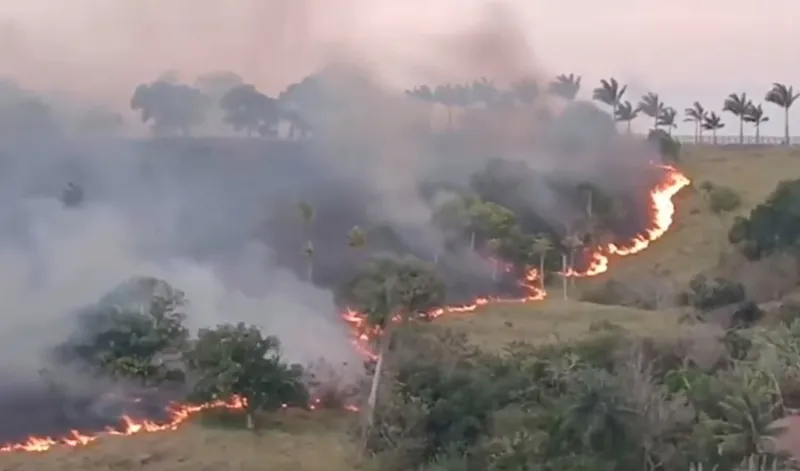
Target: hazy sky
[(684, 49)]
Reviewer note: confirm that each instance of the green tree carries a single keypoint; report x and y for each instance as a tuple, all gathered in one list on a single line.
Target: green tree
[(571, 243), (490, 221), (610, 92), (772, 226), (306, 219), (783, 96), (484, 91), (130, 339), (453, 218), (626, 113), (246, 109), (239, 361), (712, 122), (566, 86), (652, 106), (667, 119), (696, 114), (755, 115), (738, 105)]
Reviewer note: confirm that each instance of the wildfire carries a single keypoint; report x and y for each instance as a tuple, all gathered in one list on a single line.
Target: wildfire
[(177, 413), (663, 211)]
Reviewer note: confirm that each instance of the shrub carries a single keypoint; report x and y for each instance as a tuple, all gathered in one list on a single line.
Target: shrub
[(710, 293), (722, 199)]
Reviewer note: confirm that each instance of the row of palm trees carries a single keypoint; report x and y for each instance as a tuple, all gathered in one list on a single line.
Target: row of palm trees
[(612, 93)]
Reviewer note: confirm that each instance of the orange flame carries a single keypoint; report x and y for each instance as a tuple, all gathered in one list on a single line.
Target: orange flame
[(178, 414), (663, 211)]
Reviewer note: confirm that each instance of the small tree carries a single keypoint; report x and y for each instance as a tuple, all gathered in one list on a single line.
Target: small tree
[(738, 105), (130, 341), (651, 105), (755, 115), (784, 96), (666, 118), (696, 114), (626, 113), (239, 361), (387, 290)]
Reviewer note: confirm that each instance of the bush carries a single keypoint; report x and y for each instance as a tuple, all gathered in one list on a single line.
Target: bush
[(668, 148), (710, 293), (721, 199)]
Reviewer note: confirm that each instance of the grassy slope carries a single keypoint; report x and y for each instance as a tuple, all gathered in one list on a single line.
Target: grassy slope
[(314, 441)]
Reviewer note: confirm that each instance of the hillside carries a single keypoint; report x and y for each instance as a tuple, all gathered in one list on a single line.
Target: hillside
[(313, 441)]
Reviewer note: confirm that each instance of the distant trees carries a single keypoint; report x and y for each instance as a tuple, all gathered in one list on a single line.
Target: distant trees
[(170, 107), (246, 109)]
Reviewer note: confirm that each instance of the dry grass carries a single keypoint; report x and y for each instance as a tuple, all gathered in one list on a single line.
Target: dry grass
[(494, 326), (315, 441), (300, 441)]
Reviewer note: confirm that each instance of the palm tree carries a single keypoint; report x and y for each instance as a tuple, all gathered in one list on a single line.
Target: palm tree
[(667, 118), (755, 115), (651, 105), (445, 95), (783, 96), (526, 91), (307, 217), (609, 92), (626, 113), (542, 245), (712, 122), (695, 115), (566, 86), (737, 105)]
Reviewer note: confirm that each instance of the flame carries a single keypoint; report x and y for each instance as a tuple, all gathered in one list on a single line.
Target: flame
[(178, 414), (663, 212)]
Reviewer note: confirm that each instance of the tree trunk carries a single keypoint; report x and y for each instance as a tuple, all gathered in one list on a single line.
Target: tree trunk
[(786, 126), (700, 133), (589, 204), (758, 134), (541, 272), (741, 129), (564, 274), (714, 136), (376, 377), (472, 241), (629, 125), (571, 265), (495, 267), (310, 269), (250, 420)]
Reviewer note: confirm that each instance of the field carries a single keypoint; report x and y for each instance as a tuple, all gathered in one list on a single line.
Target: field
[(310, 441)]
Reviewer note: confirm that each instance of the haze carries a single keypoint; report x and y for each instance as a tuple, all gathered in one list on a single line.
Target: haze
[(684, 50)]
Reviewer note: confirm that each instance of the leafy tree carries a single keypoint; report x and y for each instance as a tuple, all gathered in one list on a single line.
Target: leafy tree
[(171, 107), (668, 148), (216, 84), (246, 109), (571, 242), (738, 105), (667, 119), (783, 96), (710, 293), (755, 115), (100, 121), (453, 218), (490, 221), (696, 114), (239, 361), (721, 199), (652, 106), (566, 86), (772, 226), (26, 116), (131, 340), (626, 113), (610, 92), (712, 122)]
